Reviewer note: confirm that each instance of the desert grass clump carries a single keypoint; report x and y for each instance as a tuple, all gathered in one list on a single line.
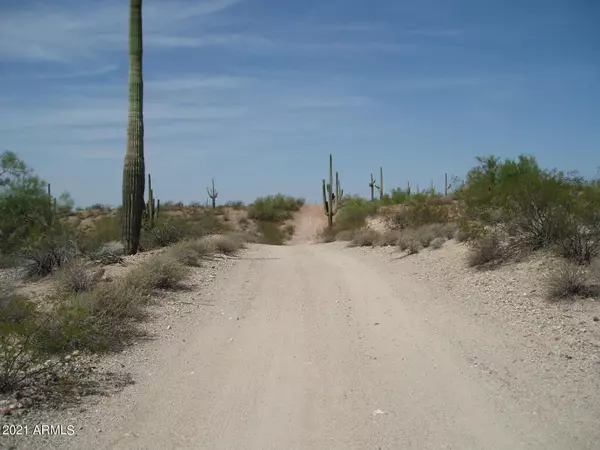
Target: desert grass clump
[(162, 271), (389, 237), (437, 243), (228, 245), (425, 236), (77, 276), (568, 280), (486, 251), (192, 252), (365, 238), (99, 320)]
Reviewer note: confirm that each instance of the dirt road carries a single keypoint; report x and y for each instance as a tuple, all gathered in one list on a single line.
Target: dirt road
[(317, 347)]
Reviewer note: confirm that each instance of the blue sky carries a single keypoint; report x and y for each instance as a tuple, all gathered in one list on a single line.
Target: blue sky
[(257, 93)]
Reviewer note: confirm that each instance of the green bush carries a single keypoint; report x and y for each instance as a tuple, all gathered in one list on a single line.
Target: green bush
[(532, 208), (270, 233), (274, 208), (353, 213)]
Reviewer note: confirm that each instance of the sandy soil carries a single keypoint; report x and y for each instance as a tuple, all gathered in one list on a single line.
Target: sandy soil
[(308, 223), (324, 347)]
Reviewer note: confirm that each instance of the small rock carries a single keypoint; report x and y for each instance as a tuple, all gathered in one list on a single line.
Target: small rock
[(596, 319), (168, 327)]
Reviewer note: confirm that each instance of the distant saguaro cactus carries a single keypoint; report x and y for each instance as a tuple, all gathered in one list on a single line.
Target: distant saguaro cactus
[(331, 199), (213, 194), (133, 168), (372, 185), (152, 208)]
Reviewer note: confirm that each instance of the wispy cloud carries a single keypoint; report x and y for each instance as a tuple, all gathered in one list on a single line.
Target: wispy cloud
[(49, 33)]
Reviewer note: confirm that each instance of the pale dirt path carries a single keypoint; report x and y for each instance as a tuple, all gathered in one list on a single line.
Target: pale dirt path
[(308, 222), (326, 340)]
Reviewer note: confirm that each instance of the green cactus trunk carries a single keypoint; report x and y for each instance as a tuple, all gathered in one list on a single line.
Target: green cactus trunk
[(380, 183), (331, 199), (134, 169)]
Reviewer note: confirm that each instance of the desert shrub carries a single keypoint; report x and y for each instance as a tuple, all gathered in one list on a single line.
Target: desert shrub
[(413, 246), (228, 245), (77, 276), (425, 236), (109, 253), (353, 213), (191, 252), (389, 237), (101, 319), (47, 256), (344, 235), (19, 359), (25, 208), (399, 196), (274, 208), (487, 250), (365, 238), (437, 243), (409, 242), (104, 229), (237, 205), (14, 308), (449, 230), (165, 234), (419, 210), (160, 272), (533, 208), (461, 236), (270, 233), (568, 280)]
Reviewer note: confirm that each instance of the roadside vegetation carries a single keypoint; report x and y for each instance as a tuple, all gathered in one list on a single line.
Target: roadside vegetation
[(505, 211), (83, 311)]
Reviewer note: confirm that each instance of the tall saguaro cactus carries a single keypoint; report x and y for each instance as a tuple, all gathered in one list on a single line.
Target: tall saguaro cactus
[(213, 194), (133, 168), (331, 199)]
